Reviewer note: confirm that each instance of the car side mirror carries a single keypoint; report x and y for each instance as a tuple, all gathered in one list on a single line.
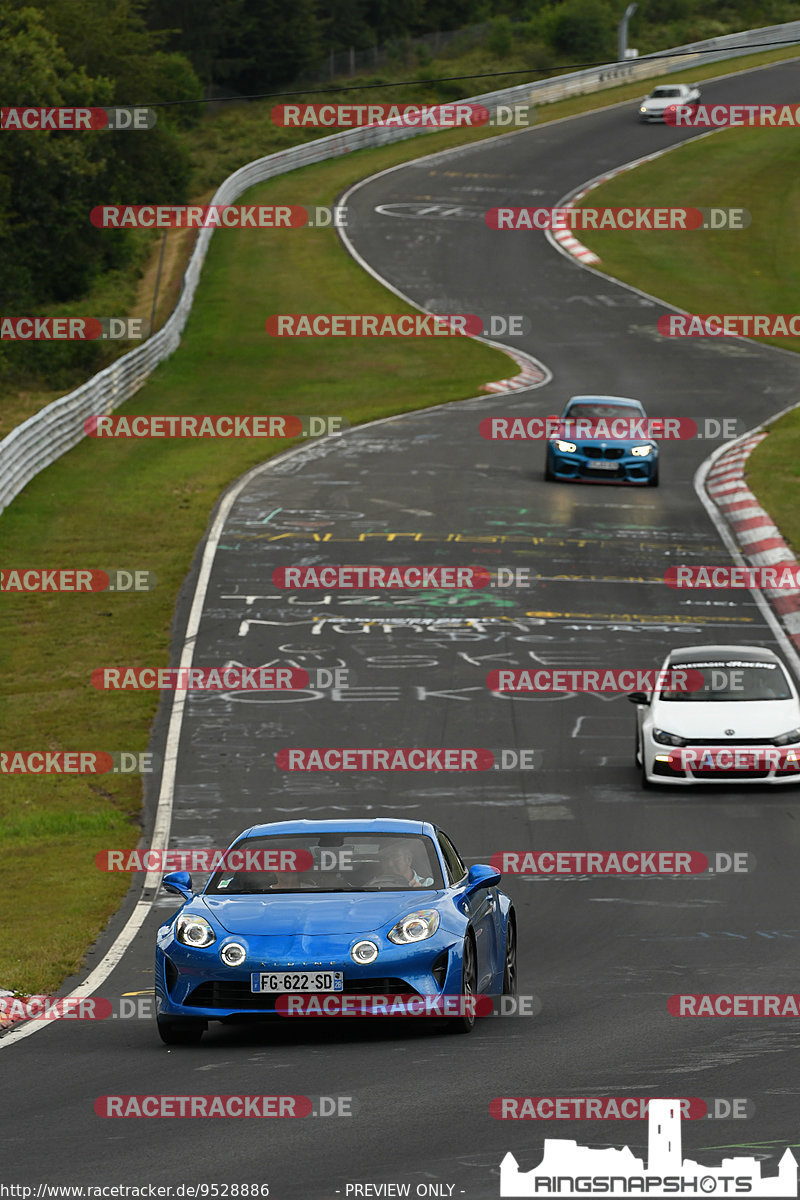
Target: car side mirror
[(179, 883), (480, 876), (638, 698)]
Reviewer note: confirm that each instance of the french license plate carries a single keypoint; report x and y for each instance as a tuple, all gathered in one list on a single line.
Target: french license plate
[(603, 466), (297, 981)]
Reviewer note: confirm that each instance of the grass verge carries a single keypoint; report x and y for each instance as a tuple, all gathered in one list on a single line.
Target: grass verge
[(752, 270)]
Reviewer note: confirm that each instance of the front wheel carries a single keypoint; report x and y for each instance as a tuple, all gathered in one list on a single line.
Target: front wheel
[(469, 983), (653, 480), (181, 1032)]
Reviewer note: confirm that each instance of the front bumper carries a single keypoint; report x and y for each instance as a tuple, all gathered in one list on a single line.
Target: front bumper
[(664, 764), (582, 466), (195, 983)]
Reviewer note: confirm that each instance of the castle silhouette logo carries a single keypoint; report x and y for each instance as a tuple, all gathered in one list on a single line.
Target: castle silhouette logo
[(568, 1169)]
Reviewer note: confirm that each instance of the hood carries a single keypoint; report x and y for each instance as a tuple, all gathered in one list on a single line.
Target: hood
[(344, 913), (700, 719)]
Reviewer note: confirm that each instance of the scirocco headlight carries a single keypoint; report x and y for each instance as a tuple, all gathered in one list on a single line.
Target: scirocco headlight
[(641, 451), (416, 927), (668, 739), (785, 739), (194, 931)]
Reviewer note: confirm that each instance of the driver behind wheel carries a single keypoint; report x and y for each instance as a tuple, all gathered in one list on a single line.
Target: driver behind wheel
[(398, 860)]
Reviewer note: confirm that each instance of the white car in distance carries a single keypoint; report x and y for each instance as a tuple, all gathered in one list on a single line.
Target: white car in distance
[(724, 715), (667, 95)]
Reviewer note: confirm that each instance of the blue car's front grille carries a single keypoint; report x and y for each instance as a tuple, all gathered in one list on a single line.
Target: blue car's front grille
[(603, 452), (235, 993)]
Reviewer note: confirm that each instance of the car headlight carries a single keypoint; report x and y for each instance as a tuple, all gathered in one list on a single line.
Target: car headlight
[(565, 447), (643, 108), (641, 451), (194, 931), (364, 953), (784, 739), (667, 739), (233, 954), (416, 927)]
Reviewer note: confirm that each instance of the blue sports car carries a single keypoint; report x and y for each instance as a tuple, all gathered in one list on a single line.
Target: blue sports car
[(603, 439), (370, 907)]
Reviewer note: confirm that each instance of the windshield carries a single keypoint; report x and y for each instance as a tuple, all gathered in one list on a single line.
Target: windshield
[(601, 412), (665, 92), (729, 681), (331, 862)]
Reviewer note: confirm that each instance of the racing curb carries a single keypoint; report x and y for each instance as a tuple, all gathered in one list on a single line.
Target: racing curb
[(532, 373), (567, 240), (758, 538)]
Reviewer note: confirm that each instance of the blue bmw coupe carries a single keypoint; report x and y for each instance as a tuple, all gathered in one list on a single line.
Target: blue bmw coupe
[(372, 907), (604, 439)]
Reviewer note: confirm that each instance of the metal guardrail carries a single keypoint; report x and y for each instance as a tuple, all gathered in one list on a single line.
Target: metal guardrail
[(49, 433)]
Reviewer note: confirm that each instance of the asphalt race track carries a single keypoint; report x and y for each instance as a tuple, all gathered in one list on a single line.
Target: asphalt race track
[(601, 955)]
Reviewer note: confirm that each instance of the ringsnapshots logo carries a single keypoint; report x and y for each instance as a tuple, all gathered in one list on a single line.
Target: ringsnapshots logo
[(568, 1169)]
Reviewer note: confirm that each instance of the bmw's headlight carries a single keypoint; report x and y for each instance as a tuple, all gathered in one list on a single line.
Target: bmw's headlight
[(565, 447), (194, 931), (416, 927), (641, 451), (785, 739), (667, 739), (233, 954)]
